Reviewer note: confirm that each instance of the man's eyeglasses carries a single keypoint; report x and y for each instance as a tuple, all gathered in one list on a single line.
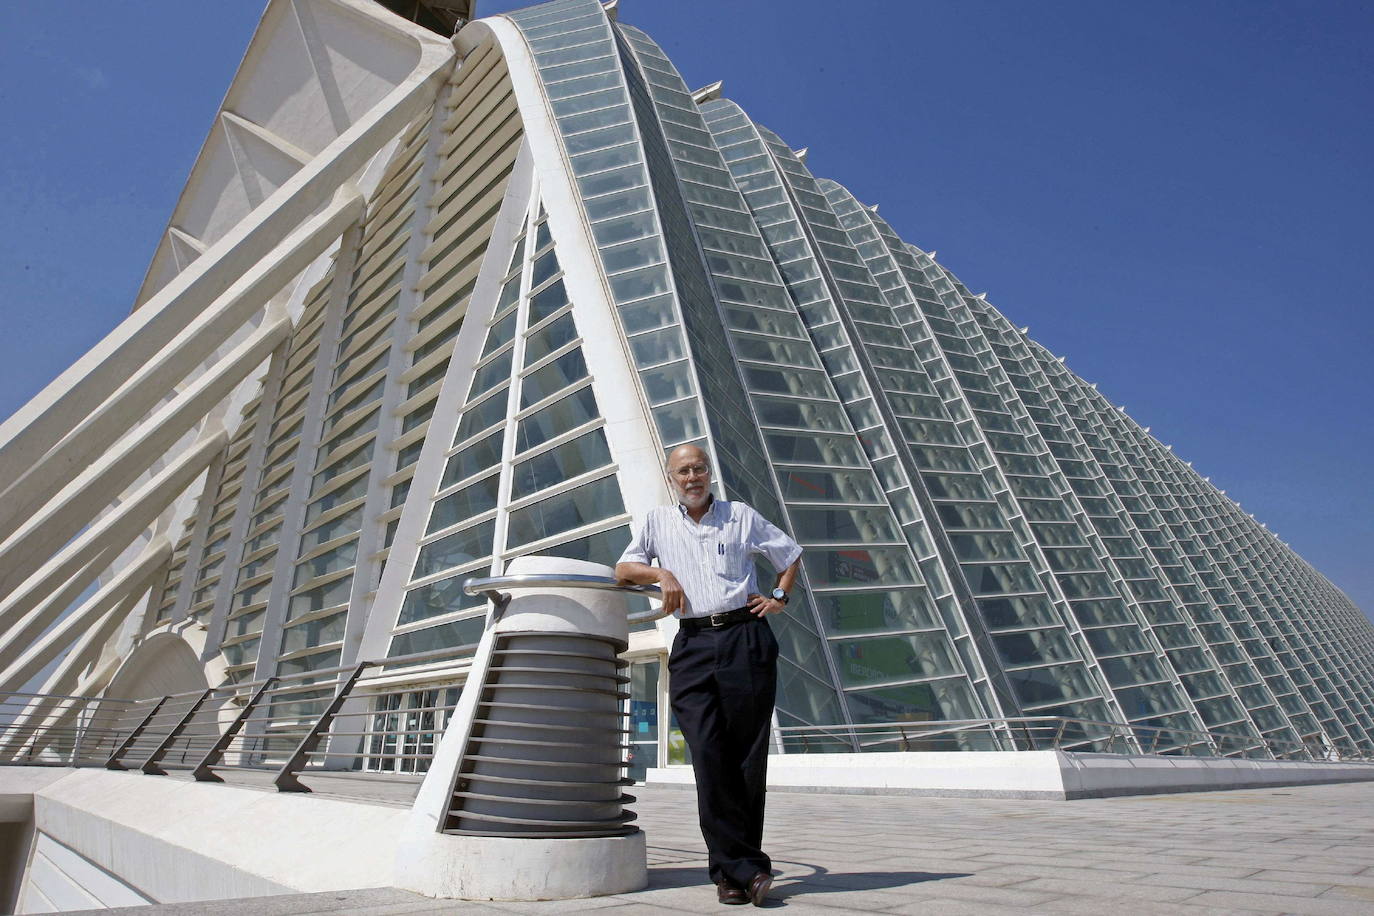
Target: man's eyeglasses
[(694, 470)]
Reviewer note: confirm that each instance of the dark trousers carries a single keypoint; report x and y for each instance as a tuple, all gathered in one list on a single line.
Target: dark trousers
[(723, 682)]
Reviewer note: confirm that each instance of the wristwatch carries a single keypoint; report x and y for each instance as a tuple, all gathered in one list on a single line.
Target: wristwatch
[(779, 595)]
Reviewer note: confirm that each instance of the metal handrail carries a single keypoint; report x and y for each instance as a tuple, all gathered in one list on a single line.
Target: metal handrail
[(489, 586)]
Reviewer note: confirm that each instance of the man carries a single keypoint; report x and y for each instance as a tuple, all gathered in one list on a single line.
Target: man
[(723, 667)]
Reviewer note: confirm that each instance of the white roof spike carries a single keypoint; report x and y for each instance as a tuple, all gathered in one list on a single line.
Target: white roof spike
[(931, 254), (872, 208), (1093, 386), (612, 7), (983, 296), (801, 154), (1147, 429), (1026, 329), (708, 93)]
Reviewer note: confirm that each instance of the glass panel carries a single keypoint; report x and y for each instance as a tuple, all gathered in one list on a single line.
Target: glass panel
[(437, 598), (547, 301), (1017, 612), (478, 456), (814, 449), (603, 547), (828, 486), (865, 525), (890, 566), (565, 511), (555, 419), (894, 658), (667, 383), (872, 611), (678, 422), (554, 377), (474, 499), (1034, 648), (455, 549), (560, 463), (445, 636), (549, 338), (313, 633)]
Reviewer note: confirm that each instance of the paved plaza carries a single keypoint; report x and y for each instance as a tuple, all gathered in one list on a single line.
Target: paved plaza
[(1303, 850)]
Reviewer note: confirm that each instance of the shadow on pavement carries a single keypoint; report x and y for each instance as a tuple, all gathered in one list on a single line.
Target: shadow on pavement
[(793, 884)]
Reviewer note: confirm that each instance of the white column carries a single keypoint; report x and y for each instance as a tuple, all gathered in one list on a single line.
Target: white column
[(441, 864)]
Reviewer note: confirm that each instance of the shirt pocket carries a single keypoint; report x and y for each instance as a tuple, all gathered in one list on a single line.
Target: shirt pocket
[(731, 559)]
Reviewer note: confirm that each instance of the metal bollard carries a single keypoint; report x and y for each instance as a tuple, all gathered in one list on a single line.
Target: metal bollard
[(524, 799)]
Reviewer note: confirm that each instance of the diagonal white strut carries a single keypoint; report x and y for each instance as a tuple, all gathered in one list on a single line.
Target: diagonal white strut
[(48, 524), (62, 405), (97, 613), (31, 607)]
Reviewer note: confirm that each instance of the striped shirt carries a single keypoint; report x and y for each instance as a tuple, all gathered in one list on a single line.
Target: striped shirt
[(713, 558)]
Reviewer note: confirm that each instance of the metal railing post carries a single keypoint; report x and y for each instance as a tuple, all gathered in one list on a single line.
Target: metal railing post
[(150, 766), (203, 771), (286, 780), (1154, 742), (113, 763), (80, 732)]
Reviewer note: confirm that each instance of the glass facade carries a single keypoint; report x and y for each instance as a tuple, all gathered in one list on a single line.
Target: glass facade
[(571, 264)]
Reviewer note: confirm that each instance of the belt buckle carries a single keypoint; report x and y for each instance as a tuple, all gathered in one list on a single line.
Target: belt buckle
[(717, 620)]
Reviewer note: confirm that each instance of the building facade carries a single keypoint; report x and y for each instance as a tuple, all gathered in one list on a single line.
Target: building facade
[(429, 305)]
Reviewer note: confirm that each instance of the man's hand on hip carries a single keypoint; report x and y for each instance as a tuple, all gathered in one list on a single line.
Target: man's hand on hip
[(762, 605)]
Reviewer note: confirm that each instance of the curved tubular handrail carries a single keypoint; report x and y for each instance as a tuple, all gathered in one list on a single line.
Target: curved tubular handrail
[(490, 586)]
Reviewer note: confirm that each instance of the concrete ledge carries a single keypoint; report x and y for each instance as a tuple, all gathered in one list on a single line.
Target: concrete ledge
[(1027, 774), (17, 785), (179, 841), (1103, 775)]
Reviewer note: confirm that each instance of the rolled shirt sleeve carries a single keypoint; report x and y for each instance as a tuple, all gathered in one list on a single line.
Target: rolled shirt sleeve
[(765, 538), (641, 547)]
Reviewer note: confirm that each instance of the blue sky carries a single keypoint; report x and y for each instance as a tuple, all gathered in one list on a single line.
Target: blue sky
[(1176, 197)]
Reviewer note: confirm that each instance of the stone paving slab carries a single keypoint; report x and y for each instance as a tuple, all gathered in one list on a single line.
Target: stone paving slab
[(1307, 850)]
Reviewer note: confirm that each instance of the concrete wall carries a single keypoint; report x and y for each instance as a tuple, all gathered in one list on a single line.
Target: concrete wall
[(1028, 774), (107, 838), (60, 878)]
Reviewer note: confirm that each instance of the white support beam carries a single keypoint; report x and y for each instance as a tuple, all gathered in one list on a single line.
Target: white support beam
[(37, 519), (68, 400), (185, 247), (26, 611), (96, 616), (277, 142), (140, 380)]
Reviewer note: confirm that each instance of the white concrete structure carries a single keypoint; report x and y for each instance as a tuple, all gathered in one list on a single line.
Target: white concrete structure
[(431, 305)]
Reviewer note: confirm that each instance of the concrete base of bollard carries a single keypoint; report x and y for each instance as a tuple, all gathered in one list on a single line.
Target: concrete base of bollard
[(502, 868)]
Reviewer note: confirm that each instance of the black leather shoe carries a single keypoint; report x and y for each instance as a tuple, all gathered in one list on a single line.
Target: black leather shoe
[(729, 894), (759, 886)]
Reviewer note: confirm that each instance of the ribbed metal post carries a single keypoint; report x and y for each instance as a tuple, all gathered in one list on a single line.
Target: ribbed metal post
[(531, 766)]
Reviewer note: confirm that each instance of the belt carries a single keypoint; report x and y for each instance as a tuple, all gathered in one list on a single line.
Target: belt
[(716, 621)]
